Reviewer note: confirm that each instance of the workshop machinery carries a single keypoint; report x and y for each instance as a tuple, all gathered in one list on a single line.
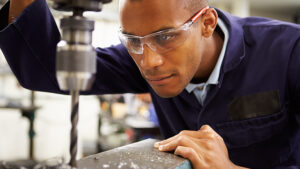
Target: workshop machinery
[(76, 57)]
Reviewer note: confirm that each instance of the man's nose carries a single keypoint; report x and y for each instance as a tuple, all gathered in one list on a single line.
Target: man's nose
[(151, 59)]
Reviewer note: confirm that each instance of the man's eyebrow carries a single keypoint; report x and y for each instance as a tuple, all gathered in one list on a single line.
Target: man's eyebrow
[(161, 29)]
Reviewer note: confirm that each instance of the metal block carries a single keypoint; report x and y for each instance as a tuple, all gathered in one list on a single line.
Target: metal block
[(140, 155)]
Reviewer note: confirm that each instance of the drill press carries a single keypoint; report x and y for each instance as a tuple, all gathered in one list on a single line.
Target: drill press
[(76, 57)]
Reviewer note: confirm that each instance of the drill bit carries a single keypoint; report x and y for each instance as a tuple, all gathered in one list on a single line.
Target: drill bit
[(74, 133)]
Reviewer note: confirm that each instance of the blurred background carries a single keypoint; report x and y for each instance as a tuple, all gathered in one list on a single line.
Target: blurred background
[(36, 125)]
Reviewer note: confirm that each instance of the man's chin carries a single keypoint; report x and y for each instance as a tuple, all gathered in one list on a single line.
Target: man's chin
[(166, 92)]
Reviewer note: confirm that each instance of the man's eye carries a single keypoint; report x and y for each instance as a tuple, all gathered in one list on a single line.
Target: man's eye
[(164, 38), (134, 41)]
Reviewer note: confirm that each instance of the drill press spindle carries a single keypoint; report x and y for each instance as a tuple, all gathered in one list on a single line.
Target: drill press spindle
[(76, 57)]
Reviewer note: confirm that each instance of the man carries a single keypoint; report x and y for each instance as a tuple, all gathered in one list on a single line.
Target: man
[(226, 89)]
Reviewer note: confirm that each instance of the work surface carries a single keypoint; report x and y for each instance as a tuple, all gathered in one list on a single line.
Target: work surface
[(140, 155)]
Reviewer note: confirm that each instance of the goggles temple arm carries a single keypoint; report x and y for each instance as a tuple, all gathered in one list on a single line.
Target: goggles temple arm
[(194, 19)]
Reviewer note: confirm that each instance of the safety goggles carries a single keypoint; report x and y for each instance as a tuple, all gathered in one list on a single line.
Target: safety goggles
[(161, 41)]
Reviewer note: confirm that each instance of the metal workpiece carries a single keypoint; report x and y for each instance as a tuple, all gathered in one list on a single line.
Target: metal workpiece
[(140, 155)]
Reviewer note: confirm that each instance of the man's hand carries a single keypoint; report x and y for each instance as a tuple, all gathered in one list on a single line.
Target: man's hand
[(204, 148), (16, 7)]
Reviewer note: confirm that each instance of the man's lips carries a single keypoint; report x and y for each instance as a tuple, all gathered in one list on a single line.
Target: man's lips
[(159, 80)]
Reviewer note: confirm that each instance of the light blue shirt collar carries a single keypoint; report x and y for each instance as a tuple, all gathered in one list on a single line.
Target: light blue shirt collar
[(214, 76)]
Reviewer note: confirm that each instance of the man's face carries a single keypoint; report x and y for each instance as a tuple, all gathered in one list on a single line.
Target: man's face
[(167, 73)]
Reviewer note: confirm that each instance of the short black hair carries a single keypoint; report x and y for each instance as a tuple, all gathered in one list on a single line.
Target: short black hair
[(194, 5)]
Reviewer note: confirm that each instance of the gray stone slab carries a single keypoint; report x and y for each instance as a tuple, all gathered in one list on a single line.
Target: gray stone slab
[(140, 155)]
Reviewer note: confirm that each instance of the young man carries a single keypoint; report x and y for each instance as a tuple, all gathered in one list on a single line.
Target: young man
[(226, 89)]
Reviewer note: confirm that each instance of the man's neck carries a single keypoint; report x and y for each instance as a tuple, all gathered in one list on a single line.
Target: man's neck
[(213, 47)]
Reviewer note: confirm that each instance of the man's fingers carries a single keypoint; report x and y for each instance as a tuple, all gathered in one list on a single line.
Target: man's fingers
[(157, 144), (185, 141), (182, 133), (190, 154), (208, 129), (201, 147), (205, 132)]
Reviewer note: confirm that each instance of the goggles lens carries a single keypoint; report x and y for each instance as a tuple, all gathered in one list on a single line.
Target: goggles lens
[(160, 42)]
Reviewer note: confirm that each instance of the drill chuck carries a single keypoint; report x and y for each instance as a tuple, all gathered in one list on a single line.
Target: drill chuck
[(76, 57)]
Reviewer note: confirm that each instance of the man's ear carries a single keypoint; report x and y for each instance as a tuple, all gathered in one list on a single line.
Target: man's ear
[(209, 22)]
